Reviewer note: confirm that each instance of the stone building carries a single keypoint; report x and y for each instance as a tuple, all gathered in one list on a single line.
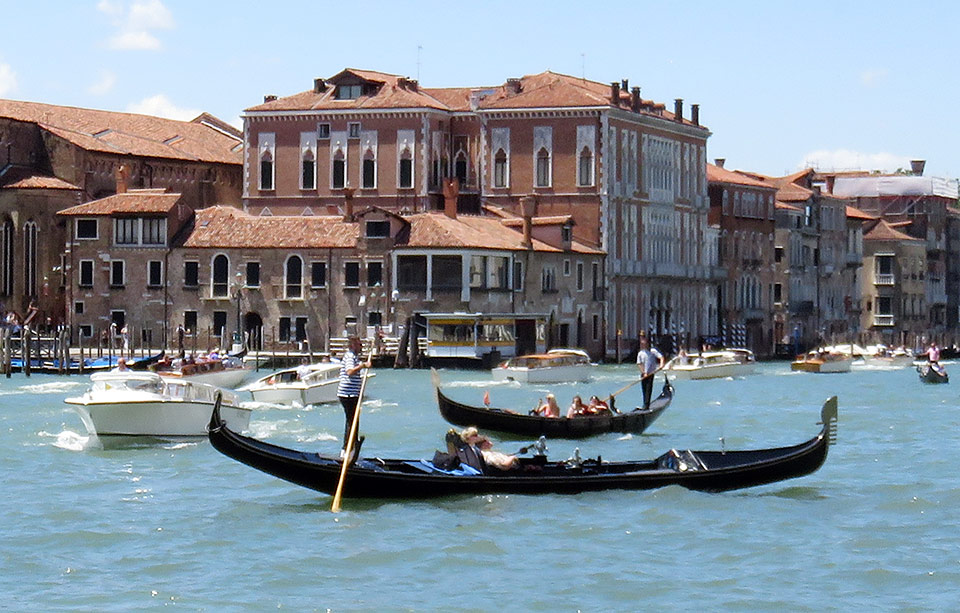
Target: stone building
[(894, 289), (54, 157), (628, 173)]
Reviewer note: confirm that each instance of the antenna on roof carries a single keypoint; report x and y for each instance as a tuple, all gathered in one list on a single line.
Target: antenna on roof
[(419, 49), (583, 66)]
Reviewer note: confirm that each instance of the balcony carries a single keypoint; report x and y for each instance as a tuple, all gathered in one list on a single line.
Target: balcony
[(883, 320), (884, 279)]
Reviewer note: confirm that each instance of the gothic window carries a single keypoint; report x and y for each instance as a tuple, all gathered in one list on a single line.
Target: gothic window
[(30, 258), (369, 170), (266, 171), (308, 170), (543, 168), (294, 277), (460, 167), (339, 171), (585, 168), (406, 169), (500, 169), (7, 254), (220, 278)]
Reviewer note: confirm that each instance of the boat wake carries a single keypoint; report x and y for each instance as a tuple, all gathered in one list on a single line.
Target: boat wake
[(72, 441), (53, 387)]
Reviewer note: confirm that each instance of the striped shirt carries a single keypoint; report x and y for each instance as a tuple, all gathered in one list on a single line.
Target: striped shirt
[(349, 386)]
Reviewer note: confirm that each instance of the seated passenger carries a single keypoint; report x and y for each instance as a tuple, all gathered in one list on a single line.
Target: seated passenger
[(577, 408), (550, 408), (597, 406), (497, 459), (468, 450)]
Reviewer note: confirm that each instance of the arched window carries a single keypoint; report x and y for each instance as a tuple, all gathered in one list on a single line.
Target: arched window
[(460, 167), (500, 169), (406, 169), (266, 171), (339, 179), (30, 259), (221, 276), (294, 277), (585, 169), (543, 168), (6, 253), (308, 170), (369, 170)]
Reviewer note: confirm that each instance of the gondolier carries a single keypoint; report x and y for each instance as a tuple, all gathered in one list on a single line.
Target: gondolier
[(649, 361), (348, 391)]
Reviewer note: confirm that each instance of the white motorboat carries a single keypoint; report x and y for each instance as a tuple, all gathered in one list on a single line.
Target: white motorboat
[(555, 366), (712, 364), (228, 372), (302, 385), (134, 403)]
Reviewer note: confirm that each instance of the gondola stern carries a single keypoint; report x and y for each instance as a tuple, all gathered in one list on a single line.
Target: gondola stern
[(828, 418), (216, 421)]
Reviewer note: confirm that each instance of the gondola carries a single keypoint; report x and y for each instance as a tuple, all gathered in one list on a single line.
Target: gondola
[(928, 374), (504, 420), (709, 471)]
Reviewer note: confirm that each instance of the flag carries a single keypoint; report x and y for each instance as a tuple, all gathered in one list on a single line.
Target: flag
[(486, 398)]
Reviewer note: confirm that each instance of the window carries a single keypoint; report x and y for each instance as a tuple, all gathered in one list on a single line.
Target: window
[(353, 129), (478, 272), (154, 273), (300, 328), (284, 331), (78, 307), (585, 168), (308, 171), (190, 321), (154, 231), (579, 276), (447, 272), (500, 169), (884, 305), (406, 170), (6, 253), (219, 323), (543, 168), (191, 274), (378, 229), (339, 179), (518, 275), (221, 268), (116, 273), (323, 130), (778, 254), (498, 268), (349, 92), (566, 233), (412, 272), (351, 274), (318, 274), (87, 229), (266, 172), (119, 318), (406, 144), (125, 231), (460, 168), (566, 268), (294, 277), (253, 274), (548, 279), (777, 292), (374, 274), (86, 273), (86, 330), (30, 276), (369, 171), (374, 318)]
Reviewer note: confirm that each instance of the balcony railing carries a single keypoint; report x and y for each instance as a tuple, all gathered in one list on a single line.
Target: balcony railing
[(883, 279), (883, 320)]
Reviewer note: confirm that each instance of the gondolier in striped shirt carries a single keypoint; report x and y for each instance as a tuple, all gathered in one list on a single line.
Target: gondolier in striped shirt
[(348, 391)]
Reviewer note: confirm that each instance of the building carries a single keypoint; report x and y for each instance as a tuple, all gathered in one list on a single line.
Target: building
[(629, 174), (54, 157)]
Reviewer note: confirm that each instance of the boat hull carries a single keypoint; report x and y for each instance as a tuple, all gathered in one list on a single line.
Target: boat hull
[(831, 366), (710, 371), (296, 394), (166, 418), (574, 373)]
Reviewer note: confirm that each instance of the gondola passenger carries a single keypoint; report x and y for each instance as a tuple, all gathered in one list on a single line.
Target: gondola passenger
[(550, 408), (577, 408)]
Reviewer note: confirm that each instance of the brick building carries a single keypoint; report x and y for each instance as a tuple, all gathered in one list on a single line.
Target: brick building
[(54, 157)]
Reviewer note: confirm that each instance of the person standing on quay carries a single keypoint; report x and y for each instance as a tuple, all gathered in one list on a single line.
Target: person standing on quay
[(649, 361), (348, 391)]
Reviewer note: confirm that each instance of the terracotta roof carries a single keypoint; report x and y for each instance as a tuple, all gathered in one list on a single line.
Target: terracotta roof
[(883, 231), (437, 230), (855, 213), (135, 201), (21, 177), (129, 133), (722, 175), (227, 227), (553, 220), (788, 207)]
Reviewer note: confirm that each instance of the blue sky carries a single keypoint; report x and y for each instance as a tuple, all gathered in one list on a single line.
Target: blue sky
[(837, 85)]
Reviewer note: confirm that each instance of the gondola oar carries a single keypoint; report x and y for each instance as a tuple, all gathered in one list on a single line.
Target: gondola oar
[(348, 452), (629, 385)]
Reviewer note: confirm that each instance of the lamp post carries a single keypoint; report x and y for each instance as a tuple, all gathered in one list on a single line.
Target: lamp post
[(238, 334)]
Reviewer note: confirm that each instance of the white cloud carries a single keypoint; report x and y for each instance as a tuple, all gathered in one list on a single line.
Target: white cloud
[(135, 25), (104, 85), (8, 79), (845, 159), (161, 106), (873, 77)]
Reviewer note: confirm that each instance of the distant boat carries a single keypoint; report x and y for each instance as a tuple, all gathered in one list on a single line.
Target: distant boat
[(554, 366), (712, 364), (930, 373), (133, 403), (317, 386), (822, 362), (227, 372)]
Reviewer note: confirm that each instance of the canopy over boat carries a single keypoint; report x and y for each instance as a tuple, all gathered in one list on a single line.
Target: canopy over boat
[(514, 422), (710, 471)]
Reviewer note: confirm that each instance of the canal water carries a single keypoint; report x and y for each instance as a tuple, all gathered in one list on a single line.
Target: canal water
[(143, 526)]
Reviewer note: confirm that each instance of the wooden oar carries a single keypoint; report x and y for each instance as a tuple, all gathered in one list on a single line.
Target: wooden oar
[(348, 452), (626, 387)]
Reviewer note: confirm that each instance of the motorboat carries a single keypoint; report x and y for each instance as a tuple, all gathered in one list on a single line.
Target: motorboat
[(132, 403), (898, 357), (376, 477), (554, 366), (302, 385), (822, 362), (712, 364), (931, 372), (226, 372)]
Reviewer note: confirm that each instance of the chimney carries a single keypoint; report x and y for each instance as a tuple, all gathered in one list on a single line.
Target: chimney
[(695, 114), (719, 162), (269, 98), (625, 85), (413, 84), (121, 176), (348, 203), (635, 99), (917, 167), (319, 86), (678, 110), (528, 208), (831, 181), (513, 86), (615, 94), (451, 191)]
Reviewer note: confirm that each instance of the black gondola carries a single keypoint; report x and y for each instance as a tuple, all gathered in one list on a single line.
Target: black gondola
[(710, 471), (503, 420), (929, 374)]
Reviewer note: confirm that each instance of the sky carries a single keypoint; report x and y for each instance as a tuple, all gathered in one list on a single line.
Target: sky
[(834, 85)]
